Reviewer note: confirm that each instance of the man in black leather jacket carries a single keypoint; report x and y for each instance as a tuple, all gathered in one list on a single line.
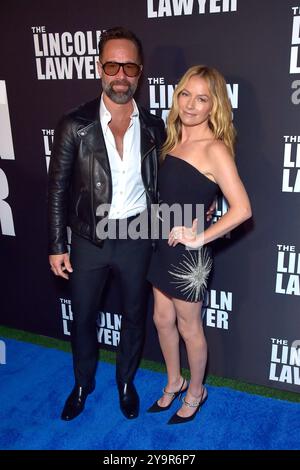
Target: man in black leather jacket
[(105, 152)]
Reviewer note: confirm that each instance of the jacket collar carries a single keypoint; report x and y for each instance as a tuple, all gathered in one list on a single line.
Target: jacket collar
[(92, 133)]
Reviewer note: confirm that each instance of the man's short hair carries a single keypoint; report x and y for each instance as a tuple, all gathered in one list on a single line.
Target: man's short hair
[(119, 32)]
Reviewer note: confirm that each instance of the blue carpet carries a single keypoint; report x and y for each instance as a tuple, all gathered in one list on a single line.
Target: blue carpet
[(36, 381)]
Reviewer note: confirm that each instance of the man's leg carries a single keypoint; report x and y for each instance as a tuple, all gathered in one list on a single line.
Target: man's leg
[(87, 280), (133, 260)]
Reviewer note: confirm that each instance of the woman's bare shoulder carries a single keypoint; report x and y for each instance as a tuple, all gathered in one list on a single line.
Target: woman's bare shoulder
[(217, 150)]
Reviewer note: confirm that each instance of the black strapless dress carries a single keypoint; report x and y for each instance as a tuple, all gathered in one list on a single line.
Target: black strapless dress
[(177, 271)]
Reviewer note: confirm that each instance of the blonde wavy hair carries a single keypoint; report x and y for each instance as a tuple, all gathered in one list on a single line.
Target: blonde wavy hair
[(220, 120)]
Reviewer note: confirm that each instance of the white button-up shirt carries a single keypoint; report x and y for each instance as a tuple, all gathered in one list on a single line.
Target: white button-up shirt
[(128, 192)]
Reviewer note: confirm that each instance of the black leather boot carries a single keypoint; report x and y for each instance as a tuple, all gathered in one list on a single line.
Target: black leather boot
[(129, 400), (75, 402)]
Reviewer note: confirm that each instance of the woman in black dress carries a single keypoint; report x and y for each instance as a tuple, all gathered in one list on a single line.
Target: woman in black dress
[(198, 159)]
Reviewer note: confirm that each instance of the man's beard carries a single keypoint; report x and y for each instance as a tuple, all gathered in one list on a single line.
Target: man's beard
[(119, 97)]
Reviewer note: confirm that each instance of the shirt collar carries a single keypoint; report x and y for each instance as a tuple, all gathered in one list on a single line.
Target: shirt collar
[(105, 116)]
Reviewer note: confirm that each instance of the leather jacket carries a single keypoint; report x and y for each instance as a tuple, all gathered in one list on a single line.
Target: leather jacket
[(80, 176)]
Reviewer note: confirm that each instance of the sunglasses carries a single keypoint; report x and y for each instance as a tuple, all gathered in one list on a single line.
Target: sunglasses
[(130, 69)]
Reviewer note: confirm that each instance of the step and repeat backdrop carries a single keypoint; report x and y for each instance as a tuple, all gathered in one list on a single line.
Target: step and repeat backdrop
[(48, 54)]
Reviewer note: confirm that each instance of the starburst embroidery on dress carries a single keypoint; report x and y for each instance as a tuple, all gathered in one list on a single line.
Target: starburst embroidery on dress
[(192, 273)]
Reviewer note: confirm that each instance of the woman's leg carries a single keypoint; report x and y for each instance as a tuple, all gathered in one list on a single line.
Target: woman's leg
[(165, 322), (191, 329)]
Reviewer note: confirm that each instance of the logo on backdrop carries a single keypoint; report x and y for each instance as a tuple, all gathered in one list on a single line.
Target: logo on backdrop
[(295, 55), (6, 141), (160, 8), (65, 56), (285, 361), (66, 315), (2, 353), (288, 270), (218, 305), (108, 324), (221, 209), (6, 153), (48, 137), (161, 94), (291, 164)]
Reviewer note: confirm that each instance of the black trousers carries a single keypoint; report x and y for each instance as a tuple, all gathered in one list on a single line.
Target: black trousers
[(91, 267)]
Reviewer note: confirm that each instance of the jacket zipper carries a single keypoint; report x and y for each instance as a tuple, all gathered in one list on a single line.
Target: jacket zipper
[(143, 158), (92, 197)]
